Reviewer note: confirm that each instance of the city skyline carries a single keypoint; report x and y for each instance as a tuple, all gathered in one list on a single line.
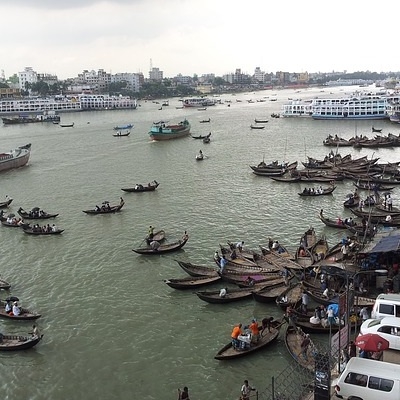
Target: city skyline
[(189, 37)]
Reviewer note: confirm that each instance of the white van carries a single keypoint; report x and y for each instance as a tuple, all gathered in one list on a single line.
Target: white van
[(365, 379), (386, 305)]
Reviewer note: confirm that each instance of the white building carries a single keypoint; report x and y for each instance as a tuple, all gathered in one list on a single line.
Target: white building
[(259, 75), (132, 80), (156, 75), (28, 75)]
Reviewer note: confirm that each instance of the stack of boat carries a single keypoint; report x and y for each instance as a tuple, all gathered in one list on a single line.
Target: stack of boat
[(335, 168)]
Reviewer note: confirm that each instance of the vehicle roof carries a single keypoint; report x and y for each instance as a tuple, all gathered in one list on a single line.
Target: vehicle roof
[(388, 296), (372, 367), (392, 321)]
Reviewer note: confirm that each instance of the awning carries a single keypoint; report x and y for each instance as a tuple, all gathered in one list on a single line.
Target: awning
[(386, 244)]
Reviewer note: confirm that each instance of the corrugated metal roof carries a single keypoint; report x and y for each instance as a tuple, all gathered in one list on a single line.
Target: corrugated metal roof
[(386, 244)]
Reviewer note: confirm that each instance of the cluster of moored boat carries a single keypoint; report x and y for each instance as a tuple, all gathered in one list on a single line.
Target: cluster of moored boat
[(333, 167), (378, 141), (273, 274)]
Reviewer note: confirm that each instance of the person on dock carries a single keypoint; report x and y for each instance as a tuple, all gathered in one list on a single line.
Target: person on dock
[(245, 390)]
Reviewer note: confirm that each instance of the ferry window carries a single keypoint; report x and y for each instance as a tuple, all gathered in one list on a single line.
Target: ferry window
[(397, 311), (385, 385), (386, 309)]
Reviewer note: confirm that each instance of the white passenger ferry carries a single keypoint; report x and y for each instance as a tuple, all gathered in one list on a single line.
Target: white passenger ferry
[(368, 107), (363, 107), (199, 102), (81, 102), (297, 108)]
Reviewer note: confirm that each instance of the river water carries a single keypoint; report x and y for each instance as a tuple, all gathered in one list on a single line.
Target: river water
[(112, 328)]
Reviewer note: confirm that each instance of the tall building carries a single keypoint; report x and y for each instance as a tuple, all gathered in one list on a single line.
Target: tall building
[(28, 75), (133, 80), (156, 75)]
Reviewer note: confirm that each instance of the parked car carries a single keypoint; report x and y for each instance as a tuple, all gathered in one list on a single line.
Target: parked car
[(387, 327)]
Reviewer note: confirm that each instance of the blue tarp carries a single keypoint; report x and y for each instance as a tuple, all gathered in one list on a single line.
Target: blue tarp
[(386, 244)]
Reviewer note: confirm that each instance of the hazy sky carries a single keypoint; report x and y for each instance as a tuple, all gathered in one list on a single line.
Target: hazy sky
[(64, 37)]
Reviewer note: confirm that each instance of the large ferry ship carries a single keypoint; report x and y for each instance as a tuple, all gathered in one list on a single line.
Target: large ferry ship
[(297, 108), (81, 102), (198, 102), (363, 107), (366, 107)]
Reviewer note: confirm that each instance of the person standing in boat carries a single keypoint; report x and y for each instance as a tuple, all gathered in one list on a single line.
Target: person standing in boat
[(150, 235), (185, 236), (183, 394), (222, 264)]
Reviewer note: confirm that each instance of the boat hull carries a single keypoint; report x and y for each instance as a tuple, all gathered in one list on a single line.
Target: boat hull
[(18, 158), (169, 135)]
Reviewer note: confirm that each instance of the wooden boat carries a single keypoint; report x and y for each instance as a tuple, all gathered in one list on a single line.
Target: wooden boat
[(35, 213), (25, 313), (376, 130), (372, 187), (197, 270), (123, 127), (205, 121), (385, 209), (373, 216), (18, 342), (39, 231), (213, 296), (260, 121), (281, 251), (257, 126), (352, 201), (4, 284), (201, 136), (337, 223), (303, 257), (200, 157), (290, 297), (163, 248), (309, 238), (6, 203), (150, 187), (278, 261), (106, 208), (163, 131), (191, 282), (15, 158), (158, 236), (241, 279), (13, 223), (319, 250), (269, 294), (288, 179), (317, 192), (67, 125), (308, 327), (228, 352), (120, 134), (294, 336)]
